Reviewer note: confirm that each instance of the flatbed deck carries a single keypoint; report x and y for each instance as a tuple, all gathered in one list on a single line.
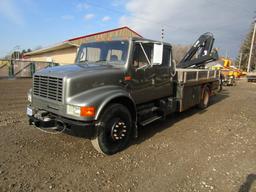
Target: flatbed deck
[(191, 82)]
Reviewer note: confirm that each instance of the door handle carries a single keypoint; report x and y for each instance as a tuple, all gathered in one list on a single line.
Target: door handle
[(153, 81)]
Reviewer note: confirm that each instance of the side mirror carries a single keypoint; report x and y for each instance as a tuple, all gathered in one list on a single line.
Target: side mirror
[(158, 54)]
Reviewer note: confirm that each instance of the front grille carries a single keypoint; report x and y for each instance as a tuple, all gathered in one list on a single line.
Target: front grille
[(48, 87)]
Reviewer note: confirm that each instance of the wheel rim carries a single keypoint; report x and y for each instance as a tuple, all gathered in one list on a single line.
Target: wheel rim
[(118, 130)]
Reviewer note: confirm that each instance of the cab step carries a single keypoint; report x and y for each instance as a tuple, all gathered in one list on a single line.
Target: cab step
[(150, 120)]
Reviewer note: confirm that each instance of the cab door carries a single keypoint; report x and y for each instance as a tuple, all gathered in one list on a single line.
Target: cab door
[(163, 83), (143, 74)]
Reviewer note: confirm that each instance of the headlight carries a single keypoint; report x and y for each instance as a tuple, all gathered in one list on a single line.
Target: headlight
[(78, 111), (73, 110), (29, 95)]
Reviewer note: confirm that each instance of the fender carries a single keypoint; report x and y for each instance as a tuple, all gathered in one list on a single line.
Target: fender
[(99, 98)]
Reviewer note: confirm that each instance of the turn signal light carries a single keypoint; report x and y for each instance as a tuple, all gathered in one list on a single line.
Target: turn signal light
[(127, 78), (87, 111)]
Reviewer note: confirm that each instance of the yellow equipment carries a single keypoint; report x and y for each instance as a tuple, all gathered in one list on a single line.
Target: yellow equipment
[(228, 73)]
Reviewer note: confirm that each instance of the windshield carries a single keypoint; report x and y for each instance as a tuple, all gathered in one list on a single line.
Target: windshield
[(109, 52)]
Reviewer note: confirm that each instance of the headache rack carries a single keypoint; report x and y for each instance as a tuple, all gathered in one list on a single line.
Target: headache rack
[(48, 87)]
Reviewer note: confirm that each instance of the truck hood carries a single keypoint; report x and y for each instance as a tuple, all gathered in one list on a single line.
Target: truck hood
[(80, 78), (64, 70)]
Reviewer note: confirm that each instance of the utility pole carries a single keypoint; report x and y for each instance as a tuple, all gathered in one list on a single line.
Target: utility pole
[(240, 60), (252, 42)]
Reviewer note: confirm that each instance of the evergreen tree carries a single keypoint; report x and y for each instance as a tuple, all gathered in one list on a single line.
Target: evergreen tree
[(16, 55)]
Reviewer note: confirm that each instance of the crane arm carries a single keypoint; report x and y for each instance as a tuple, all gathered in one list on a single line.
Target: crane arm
[(200, 52)]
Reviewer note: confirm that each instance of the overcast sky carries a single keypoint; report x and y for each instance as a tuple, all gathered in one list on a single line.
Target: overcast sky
[(29, 23)]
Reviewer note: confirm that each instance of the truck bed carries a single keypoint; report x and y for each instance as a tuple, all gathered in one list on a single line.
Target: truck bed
[(190, 83)]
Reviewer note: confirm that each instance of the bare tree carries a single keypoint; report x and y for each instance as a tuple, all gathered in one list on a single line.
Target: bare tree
[(179, 51), (244, 51)]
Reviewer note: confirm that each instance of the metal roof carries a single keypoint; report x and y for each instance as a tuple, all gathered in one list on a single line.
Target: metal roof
[(54, 47), (100, 33), (68, 43)]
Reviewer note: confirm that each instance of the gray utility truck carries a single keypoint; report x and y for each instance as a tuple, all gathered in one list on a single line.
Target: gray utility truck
[(251, 76), (116, 86)]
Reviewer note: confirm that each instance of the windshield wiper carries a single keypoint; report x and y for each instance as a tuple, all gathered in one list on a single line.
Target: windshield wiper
[(85, 62), (101, 60)]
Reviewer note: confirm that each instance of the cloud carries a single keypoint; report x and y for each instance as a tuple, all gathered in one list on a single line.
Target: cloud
[(184, 20), (89, 16), (106, 18), (81, 6), (117, 3), (9, 10), (67, 17)]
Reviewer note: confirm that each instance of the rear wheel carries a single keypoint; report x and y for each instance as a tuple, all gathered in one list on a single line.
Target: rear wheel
[(114, 130), (221, 83), (204, 102)]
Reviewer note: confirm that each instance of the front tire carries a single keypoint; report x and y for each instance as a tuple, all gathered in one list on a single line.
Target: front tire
[(114, 130)]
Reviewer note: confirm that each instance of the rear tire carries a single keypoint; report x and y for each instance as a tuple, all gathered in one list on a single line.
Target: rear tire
[(114, 130), (204, 102), (221, 83)]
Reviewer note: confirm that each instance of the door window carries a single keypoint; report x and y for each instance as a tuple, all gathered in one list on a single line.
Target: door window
[(166, 56), (139, 58)]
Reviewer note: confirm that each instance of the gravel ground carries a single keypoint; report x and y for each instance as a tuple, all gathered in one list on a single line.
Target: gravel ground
[(210, 150)]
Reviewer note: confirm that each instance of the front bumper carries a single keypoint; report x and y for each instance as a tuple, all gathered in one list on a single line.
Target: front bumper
[(80, 128)]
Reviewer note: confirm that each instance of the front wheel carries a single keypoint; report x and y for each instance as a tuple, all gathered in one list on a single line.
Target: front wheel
[(114, 130)]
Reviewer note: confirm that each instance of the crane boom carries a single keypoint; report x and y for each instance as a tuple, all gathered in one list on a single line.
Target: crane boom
[(199, 53)]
